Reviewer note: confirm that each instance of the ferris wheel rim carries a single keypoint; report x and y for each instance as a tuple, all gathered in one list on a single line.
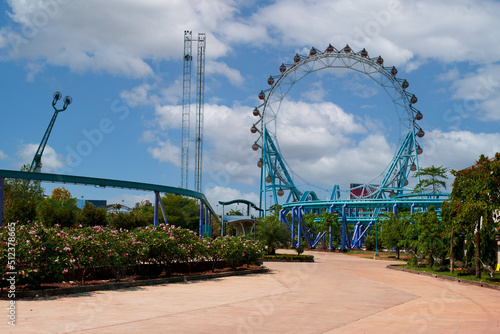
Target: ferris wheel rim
[(347, 58)]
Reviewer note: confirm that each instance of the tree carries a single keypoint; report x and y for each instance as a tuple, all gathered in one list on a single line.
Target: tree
[(51, 212), (432, 183), (473, 200), (272, 233), (91, 216), (393, 231), (21, 198), (60, 194), (233, 212), (181, 211), (430, 234)]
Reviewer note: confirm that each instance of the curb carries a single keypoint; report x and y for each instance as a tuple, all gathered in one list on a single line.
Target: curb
[(124, 285), (455, 279), (283, 260)]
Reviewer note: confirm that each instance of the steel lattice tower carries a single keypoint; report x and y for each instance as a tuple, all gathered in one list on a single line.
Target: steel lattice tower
[(186, 109), (200, 102), (186, 105)]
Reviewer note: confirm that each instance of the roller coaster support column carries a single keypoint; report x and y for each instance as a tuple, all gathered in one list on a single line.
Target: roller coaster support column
[(395, 209), (412, 209), (292, 235), (159, 203), (345, 230), (156, 209), (2, 180), (330, 230), (208, 223), (299, 218), (200, 231)]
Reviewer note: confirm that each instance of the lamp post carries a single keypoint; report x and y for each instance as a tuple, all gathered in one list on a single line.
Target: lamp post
[(36, 164)]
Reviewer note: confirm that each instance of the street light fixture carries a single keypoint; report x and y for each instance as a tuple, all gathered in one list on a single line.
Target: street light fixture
[(36, 164)]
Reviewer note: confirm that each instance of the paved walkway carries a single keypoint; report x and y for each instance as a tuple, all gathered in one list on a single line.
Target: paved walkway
[(336, 294)]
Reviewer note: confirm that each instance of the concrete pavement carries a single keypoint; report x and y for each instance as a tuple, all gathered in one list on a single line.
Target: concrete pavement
[(336, 294)]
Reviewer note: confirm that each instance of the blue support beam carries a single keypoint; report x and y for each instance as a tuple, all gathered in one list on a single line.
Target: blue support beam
[(200, 230), (157, 202)]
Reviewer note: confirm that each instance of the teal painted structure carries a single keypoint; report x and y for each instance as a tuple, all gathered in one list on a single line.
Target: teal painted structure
[(366, 202), (206, 209), (36, 164)]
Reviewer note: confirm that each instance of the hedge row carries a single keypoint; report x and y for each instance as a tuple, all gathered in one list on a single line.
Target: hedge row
[(39, 254)]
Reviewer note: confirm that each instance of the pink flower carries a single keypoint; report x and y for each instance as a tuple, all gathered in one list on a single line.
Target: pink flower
[(65, 271)]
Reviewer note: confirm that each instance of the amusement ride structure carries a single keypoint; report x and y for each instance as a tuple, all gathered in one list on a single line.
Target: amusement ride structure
[(36, 164), (186, 109), (365, 202)]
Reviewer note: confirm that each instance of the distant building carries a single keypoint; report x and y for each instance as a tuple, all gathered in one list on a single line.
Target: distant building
[(98, 203), (146, 202)]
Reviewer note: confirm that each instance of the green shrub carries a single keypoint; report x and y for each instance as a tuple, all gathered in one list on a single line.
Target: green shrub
[(45, 254), (91, 216)]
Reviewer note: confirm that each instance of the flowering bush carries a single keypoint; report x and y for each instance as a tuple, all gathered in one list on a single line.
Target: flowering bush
[(41, 253), (237, 251), (46, 254)]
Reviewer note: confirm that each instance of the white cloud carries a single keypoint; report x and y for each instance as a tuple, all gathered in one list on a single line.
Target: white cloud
[(166, 151), (479, 92), (51, 161), (457, 149), (112, 36), (316, 94), (234, 76), (3, 156), (169, 117), (116, 36), (33, 70)]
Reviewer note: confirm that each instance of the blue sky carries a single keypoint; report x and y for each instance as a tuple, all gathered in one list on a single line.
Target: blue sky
[(121, 61)]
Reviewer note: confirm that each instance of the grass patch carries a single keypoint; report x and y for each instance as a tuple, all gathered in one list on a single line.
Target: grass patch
[(391, 256), (289, 257), (459, 274)]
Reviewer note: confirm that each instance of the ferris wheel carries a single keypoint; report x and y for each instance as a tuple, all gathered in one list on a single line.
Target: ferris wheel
[(276, 173)]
